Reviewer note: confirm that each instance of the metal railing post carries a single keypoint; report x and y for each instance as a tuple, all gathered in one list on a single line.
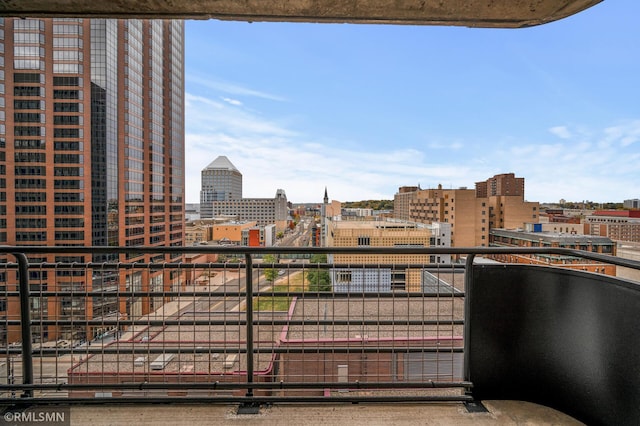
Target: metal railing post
[(25, 323), (249, 312), (468, 289)]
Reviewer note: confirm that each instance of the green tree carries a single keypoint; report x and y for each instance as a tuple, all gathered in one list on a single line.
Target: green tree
[(318, 278), (270, 274)]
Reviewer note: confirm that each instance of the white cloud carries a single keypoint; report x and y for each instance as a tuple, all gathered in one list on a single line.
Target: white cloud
[(232, 88), (232, 101), (590, 164), (561, 132)]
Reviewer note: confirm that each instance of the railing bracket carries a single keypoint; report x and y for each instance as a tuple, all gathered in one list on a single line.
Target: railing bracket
[(475, 407), (249, 408)]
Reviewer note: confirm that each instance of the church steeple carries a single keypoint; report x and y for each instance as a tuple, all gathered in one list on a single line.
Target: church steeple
[(326, 197)]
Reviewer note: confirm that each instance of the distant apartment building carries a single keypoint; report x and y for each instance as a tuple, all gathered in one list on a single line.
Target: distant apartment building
[(619, 225), (264, 211), (506, 184), (467, 215), (497, 202), (389, 233), (402, 202), (91, 154), (356, 213), (525, 238), (631, 204), (220, 181)]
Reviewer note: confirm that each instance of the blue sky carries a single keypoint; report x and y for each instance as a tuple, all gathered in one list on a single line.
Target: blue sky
[(365, 109)]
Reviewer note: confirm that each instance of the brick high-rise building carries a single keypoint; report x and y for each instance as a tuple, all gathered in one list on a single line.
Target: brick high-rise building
[(495, 203), (506, 184), (92, 152)]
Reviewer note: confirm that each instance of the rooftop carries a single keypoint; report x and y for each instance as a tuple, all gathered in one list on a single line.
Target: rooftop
[(552, 236), (222, 163)]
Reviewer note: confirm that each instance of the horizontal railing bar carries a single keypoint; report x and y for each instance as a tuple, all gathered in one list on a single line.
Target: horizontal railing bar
[(237, 322), (234, 267), (200, 250), (217, 385), (238, 399), (318, 250), (358, 346), (240, 295)]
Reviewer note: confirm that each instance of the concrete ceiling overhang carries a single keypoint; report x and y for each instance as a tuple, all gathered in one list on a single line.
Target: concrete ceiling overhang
[(471, 13)]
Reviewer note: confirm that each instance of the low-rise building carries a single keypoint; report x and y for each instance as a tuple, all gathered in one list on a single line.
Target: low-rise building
[(259, 236), (388, 233), (231, 232), (524, 238), (264, 211), (619, 225)]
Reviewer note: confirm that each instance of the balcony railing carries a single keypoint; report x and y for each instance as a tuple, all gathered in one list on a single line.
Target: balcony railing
[(229, 324)]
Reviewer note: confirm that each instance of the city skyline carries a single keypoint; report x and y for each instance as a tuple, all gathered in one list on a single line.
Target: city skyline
[(364, 109)]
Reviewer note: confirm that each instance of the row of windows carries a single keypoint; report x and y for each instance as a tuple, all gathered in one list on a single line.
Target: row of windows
[(68, 197), (68, 158), (29, 157), (28, 64), (28, 37), (30, 197), (28, 78), (30, 171), (28, 24), (67, 120), (35, 210), (67, 29), (68, 133), (67, 81), (31, 236), (31, 223), (28, 91), (67, 94), (68, 184), (67, 55), (69, 222), (28, 51), (68, 146), (68, 171), (67, 107), (28, 131), (29, 144), (72, 42), (28, 117), (30, 183), (28, 104)]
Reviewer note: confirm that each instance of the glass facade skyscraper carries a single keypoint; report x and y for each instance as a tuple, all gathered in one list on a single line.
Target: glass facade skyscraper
[(92, 151)]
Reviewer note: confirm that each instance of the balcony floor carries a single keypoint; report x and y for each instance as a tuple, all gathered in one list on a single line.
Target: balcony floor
[(500, 413)]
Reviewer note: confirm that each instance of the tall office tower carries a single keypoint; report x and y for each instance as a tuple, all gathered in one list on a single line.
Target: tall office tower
[(221, 181), (92, 153)]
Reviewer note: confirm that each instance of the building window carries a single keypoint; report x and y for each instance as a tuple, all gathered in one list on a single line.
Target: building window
[(343, 277), (364, 241)]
